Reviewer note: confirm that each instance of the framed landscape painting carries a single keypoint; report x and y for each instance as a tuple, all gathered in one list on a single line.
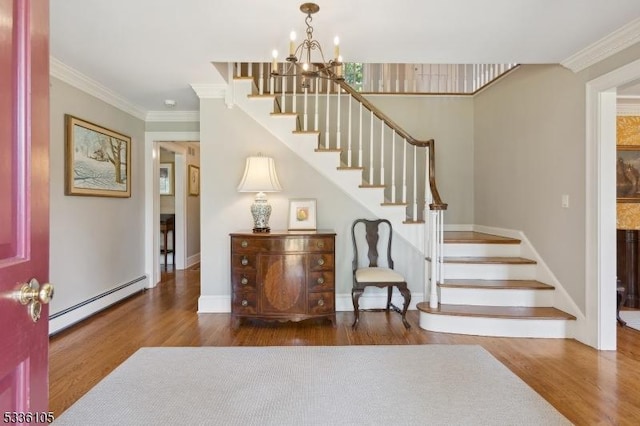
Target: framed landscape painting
[(628, 174), (97, 160)]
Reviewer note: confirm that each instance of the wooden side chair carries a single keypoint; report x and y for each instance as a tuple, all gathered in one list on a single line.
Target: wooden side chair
[(168, 226), (371, 273)]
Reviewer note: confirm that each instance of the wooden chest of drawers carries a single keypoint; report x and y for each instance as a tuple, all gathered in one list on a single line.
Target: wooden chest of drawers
[(283, 276)]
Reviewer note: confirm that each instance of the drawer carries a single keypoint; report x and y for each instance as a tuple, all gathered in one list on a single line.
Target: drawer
[(321, 262), (321, 281), (321, 303), (244, 262), (266, 244), (243, 280), (319, 244), (248, 244), (244, 303)]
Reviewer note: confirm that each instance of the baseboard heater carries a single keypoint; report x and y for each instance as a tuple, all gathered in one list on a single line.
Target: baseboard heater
[(73, 314)]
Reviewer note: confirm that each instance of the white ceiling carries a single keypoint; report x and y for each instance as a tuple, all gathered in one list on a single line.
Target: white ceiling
[(150, 50)]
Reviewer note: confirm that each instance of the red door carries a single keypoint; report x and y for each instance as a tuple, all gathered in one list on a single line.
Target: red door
[(24, 207)]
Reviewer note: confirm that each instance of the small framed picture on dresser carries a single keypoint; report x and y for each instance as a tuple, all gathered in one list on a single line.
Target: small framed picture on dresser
[(302, 214)]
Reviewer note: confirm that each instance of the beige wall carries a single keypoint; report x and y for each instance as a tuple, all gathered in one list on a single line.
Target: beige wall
[(96, 243), (448, 120), (529, 150)]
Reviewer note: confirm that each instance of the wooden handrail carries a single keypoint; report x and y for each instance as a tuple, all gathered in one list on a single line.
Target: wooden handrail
[(437, 203)]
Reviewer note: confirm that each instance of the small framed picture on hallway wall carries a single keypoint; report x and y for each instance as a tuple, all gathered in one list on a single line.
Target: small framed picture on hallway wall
[(194, 180)]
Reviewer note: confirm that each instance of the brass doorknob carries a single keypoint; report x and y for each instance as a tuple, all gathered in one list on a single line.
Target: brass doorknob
[(34, 296)]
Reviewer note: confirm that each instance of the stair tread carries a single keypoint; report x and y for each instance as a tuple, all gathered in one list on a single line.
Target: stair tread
[(371, 186), (472, 237), (511, 312), (490, 260), (497, 284), (327, 150)]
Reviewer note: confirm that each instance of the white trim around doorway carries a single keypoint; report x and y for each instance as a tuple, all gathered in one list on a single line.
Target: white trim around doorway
[(152, 200), (600, 251)]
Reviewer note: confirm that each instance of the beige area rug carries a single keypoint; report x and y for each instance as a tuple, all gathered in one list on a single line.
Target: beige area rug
[(632, 318), (312, 385)]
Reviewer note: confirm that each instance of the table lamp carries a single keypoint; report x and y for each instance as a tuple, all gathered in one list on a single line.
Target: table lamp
[(260, 176)]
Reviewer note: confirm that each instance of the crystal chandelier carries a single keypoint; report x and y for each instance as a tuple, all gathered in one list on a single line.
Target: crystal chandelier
[(299, 62)]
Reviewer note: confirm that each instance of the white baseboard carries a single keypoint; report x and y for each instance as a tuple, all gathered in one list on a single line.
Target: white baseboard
[(344, 303), (67, 317), (458, 227), (214, 304), (192, 260)]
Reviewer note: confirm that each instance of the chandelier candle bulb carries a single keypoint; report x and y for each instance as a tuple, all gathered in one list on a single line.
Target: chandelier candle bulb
[(339, 67), (274, 64), (336, 49), (292, 43)]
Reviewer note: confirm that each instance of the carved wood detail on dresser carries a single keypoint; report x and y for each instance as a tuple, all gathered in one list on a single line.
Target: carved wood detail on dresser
[(283, 276)]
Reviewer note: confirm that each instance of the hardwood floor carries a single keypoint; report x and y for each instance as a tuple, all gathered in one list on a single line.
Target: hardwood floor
[(587, 386)]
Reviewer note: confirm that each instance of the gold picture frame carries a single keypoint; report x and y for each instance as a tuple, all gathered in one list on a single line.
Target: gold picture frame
[(97, 160), (302, 214), (628, 174), (194, 180)]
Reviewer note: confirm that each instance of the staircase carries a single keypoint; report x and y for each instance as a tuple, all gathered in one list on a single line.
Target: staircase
[(484, 287), (490, 290)]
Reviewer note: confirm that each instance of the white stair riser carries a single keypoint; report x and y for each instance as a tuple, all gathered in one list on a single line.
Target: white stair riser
[(481, 250), (497, 327), (496, 297), (490, 271)]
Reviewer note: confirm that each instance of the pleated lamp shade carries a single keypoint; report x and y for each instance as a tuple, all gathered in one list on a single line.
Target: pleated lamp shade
[(260, 176)]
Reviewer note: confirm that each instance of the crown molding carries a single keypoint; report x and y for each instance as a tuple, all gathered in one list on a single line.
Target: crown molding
[(628, 109), (210, 90), (80, 81), (605, 47), (173, 116)]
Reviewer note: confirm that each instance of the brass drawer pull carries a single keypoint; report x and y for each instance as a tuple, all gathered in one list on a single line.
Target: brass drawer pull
[(320, 261), (244, 281), (321, 302), (320, 280), (244, 261), (245, 303), (244, 244), (320, 244)]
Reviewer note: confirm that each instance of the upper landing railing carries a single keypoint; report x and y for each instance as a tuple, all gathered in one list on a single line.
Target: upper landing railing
[(462, 79)]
